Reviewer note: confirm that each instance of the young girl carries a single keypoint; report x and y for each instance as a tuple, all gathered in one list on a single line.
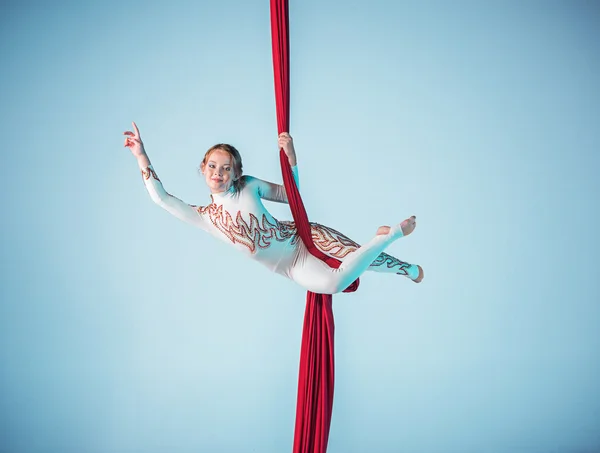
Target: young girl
[(237, 215)]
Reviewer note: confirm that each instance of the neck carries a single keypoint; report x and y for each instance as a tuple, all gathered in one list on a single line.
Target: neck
[(221, 192)]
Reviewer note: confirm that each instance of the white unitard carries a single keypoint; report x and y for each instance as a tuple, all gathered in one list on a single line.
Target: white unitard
[(241, 219)]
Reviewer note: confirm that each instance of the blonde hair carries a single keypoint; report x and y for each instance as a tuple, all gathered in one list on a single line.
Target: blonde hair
[(236, 158)]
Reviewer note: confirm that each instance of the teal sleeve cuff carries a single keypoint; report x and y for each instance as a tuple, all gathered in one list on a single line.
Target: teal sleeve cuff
[(296, 178)]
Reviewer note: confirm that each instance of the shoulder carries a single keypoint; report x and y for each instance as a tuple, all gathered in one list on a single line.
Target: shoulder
[(254, 186), (247, 183), (248, 178)]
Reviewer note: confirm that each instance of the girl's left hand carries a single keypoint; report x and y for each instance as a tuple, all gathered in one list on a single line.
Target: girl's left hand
[(287, 144)]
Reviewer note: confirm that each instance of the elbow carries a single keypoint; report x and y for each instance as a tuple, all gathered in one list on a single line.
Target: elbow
[(159, 199)]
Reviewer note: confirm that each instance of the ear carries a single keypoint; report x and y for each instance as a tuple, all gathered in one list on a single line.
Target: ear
[(202, 167)]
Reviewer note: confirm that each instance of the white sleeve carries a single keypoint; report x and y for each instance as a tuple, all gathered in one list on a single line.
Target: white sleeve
[(173, 205), (273, 192)]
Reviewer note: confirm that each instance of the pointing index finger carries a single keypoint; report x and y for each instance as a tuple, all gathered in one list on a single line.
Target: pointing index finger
[(135, 129)]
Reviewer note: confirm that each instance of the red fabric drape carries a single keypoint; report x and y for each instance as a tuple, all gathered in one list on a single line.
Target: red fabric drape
[(316, 373)]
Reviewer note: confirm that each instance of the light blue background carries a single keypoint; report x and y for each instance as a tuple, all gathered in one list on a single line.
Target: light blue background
[(124, 330)]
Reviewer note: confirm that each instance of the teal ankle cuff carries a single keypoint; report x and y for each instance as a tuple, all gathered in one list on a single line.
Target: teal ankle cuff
[(413, 272)]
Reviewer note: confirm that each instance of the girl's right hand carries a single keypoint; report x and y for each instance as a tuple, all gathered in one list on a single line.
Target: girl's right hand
[(133, 141)]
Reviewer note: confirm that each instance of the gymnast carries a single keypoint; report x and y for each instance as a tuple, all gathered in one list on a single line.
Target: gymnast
[(237, 216)]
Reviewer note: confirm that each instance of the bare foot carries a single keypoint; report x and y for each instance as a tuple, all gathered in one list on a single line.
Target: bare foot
[(383, 230), (408, 226)]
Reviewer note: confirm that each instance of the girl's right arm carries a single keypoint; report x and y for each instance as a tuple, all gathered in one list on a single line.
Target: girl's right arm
[(173, 205), (277, 192)]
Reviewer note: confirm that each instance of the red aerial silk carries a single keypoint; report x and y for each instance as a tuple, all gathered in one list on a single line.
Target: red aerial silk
[(316, 374)]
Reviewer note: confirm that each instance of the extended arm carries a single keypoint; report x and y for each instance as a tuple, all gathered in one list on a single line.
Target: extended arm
[(168, 202), (158, 194)]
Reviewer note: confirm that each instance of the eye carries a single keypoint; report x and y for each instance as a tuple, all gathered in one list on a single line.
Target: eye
[(227, 168), (211, 165)]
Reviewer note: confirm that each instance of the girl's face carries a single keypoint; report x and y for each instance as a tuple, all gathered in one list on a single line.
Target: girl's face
[(218, 171)]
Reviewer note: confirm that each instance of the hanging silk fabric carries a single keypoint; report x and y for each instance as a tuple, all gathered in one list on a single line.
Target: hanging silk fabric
[(316, 371)]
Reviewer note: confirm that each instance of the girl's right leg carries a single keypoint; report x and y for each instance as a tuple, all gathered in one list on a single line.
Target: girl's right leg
[(339, 246), (317, 276)]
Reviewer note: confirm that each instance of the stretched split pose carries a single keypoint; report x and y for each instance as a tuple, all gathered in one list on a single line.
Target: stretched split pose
[(238, 216)]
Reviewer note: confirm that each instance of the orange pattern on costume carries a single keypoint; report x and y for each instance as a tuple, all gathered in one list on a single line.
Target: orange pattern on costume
[(149, 171), (251, 235), (338, 245), (332, 242)]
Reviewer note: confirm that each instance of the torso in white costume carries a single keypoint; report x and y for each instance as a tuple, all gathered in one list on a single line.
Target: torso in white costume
[(241, 219)]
